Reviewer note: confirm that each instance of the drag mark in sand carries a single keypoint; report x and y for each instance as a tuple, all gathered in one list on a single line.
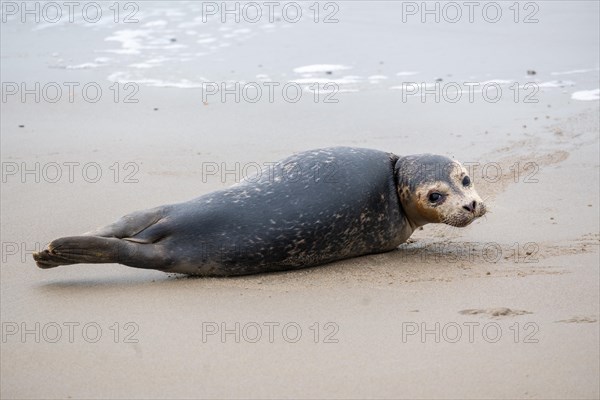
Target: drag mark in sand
[(495, 312), (579, 320)]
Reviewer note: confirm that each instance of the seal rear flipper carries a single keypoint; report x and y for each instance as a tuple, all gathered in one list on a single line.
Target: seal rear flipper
[(98, 250), (130, 225), (45, 260)]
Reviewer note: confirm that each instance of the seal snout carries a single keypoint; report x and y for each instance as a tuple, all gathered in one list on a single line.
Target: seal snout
[(475, 209), (471, 207)]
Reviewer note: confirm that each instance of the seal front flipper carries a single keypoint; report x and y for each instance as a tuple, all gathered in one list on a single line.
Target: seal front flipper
[(97, 250)]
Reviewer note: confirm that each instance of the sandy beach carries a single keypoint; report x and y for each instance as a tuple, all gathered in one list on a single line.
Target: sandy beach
[(507, 307)]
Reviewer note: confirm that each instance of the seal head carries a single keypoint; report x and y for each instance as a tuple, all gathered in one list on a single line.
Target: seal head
[(437, 189)]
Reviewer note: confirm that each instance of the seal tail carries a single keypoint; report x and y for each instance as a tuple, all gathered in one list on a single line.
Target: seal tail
[(98, 250)]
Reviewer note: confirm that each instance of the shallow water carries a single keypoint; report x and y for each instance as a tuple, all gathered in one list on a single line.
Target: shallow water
[(360, 46)]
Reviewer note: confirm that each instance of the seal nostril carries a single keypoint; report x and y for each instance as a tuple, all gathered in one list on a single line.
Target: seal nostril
[(471, 206)]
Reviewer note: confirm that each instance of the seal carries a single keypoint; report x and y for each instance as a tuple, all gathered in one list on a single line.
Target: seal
[(309, 209)]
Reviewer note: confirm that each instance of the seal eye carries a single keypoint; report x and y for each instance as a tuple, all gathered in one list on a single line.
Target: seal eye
[(435, 197), (466, 181)]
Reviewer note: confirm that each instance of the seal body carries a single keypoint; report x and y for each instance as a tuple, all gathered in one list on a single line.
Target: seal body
[(308, 209)]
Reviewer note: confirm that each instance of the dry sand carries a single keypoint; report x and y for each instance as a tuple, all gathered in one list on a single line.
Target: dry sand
[(505, 308)]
